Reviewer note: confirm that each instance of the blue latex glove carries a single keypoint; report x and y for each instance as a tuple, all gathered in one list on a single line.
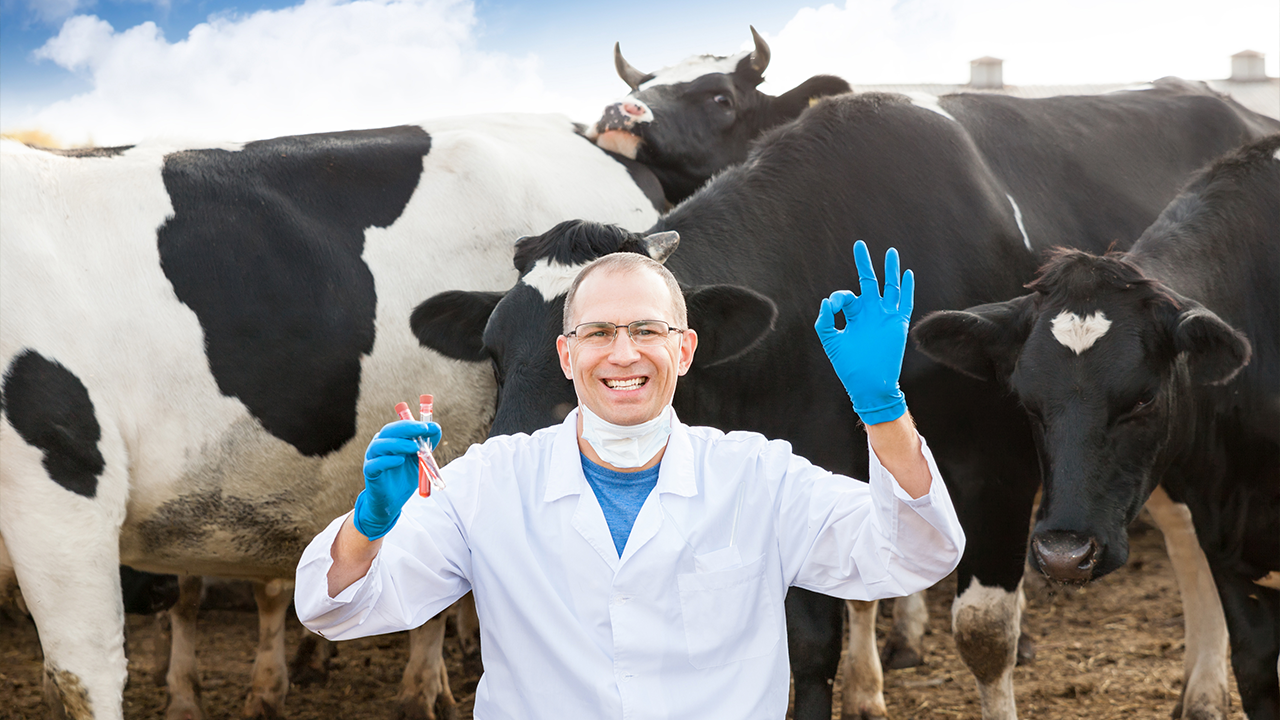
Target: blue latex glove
[(390, 475), (867, 354)]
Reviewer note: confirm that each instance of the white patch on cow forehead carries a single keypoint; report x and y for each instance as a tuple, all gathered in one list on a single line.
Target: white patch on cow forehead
[(1079, 333), (550, 278), (694, 68), (1017, 217), (928, 102)]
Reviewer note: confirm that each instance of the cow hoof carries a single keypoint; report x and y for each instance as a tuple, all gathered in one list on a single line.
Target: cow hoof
[(444, 708), (1026, 649), (183, 711), (258, 707), (897, 656)]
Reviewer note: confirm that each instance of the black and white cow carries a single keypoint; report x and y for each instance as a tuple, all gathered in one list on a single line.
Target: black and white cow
[(197, 344), (934, 182), (692, 120), (1161, 365)]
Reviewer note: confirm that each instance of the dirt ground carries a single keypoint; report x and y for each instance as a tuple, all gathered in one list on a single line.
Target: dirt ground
[(1111, 650)]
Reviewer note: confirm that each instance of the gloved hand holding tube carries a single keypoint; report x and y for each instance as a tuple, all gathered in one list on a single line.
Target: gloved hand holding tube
[(867, 353), (390, 474)]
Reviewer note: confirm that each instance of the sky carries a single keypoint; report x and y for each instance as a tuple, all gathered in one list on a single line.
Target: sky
[(123, 71)]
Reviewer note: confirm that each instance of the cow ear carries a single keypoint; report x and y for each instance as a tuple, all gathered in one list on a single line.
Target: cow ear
[(796, 100), (452, 323), (729, 320), (1215, 350), (982, 341)]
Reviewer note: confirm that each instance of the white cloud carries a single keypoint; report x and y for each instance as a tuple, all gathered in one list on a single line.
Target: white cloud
[(914, 41), (321, 65), (52, 11)]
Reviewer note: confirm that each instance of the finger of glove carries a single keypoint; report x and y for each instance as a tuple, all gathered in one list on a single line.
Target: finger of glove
[(867, 282), (892, 281), (825, 325), (405, 429), (390, 446), (432, 433), (908, 301), (374, 467)]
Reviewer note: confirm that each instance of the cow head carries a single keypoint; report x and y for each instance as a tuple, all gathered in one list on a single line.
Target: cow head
[(1104, 360), (692, 120), (517, 330)]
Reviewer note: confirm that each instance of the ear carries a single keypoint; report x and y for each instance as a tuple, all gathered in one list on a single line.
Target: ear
[(798, 99), (1215, 350), (729, 320), (983, 341), (452, 323)]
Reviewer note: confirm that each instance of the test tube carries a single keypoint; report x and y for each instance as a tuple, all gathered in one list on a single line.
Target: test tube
[(424, 452), (433, 470)]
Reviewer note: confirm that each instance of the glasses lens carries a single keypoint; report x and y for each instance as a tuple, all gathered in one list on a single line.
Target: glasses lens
[(595, 334), (648, 332)]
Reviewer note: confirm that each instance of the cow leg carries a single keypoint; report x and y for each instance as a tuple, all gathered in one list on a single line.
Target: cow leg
[(1204, 689), (424, 689), (310, 664), (1253, 618), (814, 625), (270, 679), (183, 678), (468, 623), (986, 622), (862, 691), (905, 646)]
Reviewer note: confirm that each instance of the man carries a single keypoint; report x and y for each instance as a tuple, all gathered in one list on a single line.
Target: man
[(627, 565)]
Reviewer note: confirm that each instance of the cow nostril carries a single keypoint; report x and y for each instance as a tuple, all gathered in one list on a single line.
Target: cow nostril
[(632, 109), (1066, 556)]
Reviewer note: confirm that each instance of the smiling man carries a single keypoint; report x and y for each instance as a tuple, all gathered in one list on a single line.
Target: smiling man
[(625, 564)]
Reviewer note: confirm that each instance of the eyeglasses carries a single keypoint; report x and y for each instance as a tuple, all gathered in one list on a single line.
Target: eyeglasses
[(641, 332)]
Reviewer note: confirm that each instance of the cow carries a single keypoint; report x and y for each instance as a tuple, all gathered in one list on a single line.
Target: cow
[(1159, 369), (197, 344), (939, 182), (692, 120)]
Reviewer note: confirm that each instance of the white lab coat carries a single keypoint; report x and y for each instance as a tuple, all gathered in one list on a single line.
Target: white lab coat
[(688, 623)]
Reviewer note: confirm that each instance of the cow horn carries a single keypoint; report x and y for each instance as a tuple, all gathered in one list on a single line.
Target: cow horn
[(759, 56), (629, 75), (661, 245)]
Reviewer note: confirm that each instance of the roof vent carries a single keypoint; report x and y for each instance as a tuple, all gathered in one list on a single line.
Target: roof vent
[(1248, 66), (986, 73)]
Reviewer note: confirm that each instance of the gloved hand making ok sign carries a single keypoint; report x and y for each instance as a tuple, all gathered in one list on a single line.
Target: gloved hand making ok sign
[(390, 475), (867, 353)]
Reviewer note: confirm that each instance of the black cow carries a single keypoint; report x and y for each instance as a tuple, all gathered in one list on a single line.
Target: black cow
[(692, 120), (875, 167), (1161, 365)]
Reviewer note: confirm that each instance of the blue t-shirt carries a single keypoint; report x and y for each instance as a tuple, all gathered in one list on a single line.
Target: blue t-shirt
[(620, 495)]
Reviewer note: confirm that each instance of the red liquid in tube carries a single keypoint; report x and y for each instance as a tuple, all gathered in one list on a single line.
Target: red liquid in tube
[(428, 471)]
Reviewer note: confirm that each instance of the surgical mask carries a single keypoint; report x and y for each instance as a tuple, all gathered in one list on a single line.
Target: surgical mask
[(626, 446)]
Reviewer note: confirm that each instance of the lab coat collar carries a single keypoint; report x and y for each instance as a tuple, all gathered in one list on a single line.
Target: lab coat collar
[(566, 478)]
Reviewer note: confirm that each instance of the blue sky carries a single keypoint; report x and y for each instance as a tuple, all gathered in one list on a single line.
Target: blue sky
[(116, 71)]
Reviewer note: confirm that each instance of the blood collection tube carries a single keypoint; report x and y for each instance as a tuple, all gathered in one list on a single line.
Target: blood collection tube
[(433, 470), (424, 452)]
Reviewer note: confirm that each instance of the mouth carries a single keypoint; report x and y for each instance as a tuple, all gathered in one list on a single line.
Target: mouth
[(621, 142), (625, 384)]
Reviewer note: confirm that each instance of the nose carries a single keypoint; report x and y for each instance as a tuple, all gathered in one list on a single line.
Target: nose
[(624, 350), (632, 109), (1065, 556)]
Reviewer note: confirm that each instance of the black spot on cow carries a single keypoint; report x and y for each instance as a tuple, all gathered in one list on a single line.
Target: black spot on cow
[(50, 408), (90, 152), (265, 246)]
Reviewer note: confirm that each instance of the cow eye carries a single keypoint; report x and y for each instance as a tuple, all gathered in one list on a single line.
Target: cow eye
[(1141, 407), (723, 101)]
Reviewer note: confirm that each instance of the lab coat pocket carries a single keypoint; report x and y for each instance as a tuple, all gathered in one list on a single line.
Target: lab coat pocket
[(729, 615)]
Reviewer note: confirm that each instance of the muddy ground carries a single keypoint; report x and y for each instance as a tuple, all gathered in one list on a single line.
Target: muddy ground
[(1111, 650)]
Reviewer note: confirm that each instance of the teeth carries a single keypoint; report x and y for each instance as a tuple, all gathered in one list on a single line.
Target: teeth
[(625, 384)]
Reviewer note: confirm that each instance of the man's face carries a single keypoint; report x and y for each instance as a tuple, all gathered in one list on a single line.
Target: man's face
[(605, 378)]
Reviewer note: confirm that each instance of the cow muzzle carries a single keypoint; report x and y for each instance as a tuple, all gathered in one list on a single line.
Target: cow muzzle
[(620, 126), (1065, 556)]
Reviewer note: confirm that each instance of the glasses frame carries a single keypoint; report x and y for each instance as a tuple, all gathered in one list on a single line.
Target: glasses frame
[(630, 332)]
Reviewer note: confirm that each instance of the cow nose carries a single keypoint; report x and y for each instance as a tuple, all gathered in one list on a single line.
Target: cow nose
[(1065, 556), (632, 109)]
